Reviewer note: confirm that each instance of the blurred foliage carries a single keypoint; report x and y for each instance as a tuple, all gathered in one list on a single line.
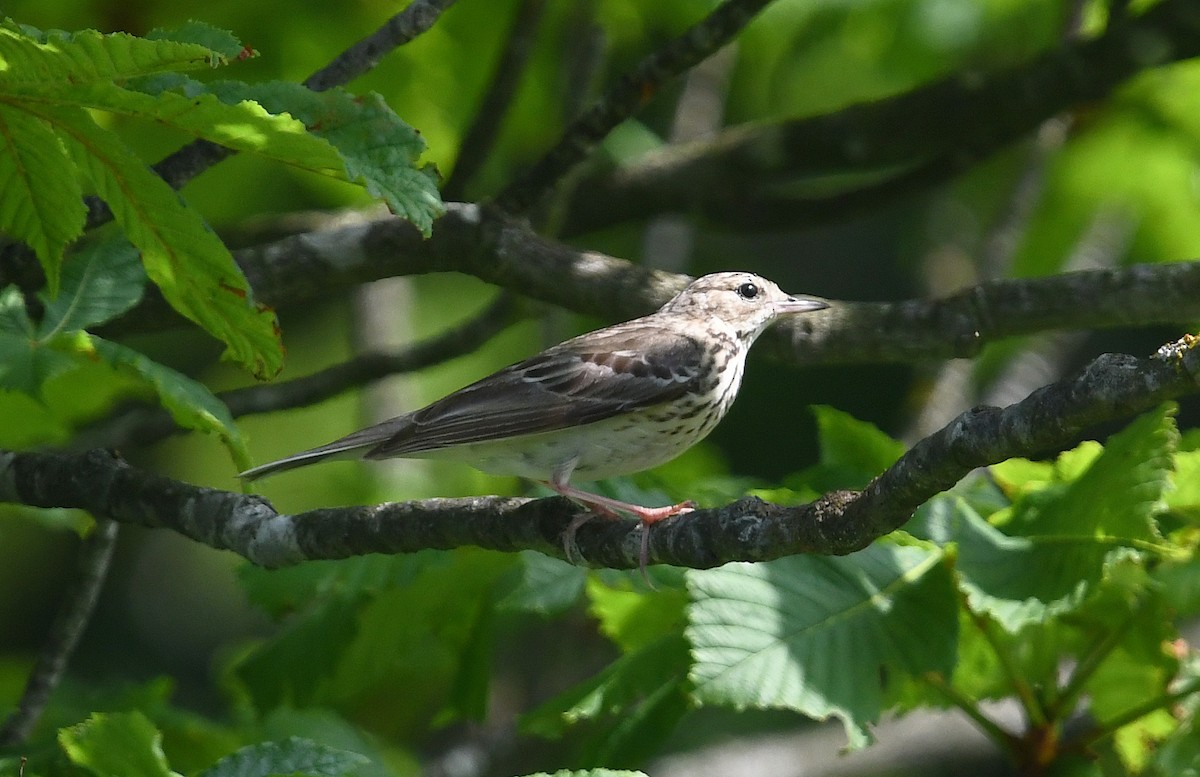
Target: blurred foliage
[(1061, 584)]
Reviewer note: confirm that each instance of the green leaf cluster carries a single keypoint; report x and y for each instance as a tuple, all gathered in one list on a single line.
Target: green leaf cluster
[(55, 148), (53, 151)]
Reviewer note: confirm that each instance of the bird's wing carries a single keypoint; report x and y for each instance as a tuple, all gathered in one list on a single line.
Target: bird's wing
[(587, 379)]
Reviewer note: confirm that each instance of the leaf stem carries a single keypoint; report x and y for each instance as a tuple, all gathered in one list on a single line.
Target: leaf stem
[(1088, 665), (1000, 735), (1034, 709)]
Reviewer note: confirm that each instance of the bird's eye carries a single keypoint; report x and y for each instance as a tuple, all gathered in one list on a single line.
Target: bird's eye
[(747, 291)]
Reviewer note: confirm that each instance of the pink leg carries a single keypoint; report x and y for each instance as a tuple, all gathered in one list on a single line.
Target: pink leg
[(608, 508)]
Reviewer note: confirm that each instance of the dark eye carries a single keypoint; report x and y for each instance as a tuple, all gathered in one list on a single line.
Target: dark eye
[(747, 291)]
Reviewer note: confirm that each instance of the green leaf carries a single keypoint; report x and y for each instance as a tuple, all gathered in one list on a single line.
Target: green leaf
[(32, 59), (648, 672), (1117, 494), (295, 666), (117, 744), (185, 259), (41, 202), (293, 756), (817, 635), (242, 126), (852, 452), (379, 151), (99, 283), (25, 363), (212, 38), (189, 402), (541, 584), (1059, 538), (633, 619)]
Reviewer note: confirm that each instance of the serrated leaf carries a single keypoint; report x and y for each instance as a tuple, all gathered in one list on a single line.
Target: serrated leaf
[(116, 744), (100, 282), (189, 402), (817, 635), (379, 151), (1115, 494), (185, 259), (41, 202), (29, 58), (212, 38), (291, 756), (1020, 581), (1054, 548), (243, 126)]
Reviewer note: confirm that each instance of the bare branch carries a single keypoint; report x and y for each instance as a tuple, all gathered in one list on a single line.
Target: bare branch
[(1111, 387), (489, 245), (480, 137), (630, 93), (907, 143), (95, 553)]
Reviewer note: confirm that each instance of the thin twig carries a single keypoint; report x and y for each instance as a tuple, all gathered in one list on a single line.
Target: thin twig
[(94, 556), (480, 137), (146, 425), (629, 94)]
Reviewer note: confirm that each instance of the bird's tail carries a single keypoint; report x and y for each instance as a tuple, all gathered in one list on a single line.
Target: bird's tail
[(346, 447)]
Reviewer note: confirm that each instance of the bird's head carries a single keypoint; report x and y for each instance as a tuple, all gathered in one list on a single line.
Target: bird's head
[(746, 302)]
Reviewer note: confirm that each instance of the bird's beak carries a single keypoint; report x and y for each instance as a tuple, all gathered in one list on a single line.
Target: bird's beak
[(798, 304)]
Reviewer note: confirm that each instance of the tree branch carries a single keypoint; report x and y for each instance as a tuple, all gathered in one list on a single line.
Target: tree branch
[(481, 136), (488, 244), (630, 93), (1111, 387), (915, 140), (94, 556)]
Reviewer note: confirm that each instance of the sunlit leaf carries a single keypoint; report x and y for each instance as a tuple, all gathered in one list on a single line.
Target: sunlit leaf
[(116, 744), (819, 635)]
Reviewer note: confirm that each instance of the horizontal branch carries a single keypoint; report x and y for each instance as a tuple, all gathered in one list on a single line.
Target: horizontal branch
[(917, 139), (1111, 387), (486, 243)]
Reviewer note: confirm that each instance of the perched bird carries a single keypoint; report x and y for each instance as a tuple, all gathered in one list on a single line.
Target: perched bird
[(610, 402)]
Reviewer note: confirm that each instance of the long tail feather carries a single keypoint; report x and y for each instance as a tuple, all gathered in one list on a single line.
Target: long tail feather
[(345, 447)]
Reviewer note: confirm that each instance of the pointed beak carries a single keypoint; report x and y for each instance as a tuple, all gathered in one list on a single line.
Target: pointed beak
[(799, 304)]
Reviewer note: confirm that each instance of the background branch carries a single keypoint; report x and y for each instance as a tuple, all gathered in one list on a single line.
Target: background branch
[(496, 248), (624, 98), (95, 553), (914, 140), (1111, 387)]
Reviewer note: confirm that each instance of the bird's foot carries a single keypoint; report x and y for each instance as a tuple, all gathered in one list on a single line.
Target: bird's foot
[(609, 508)]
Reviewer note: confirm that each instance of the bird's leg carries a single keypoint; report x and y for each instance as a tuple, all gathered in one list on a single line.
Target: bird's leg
[(607, 507)]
